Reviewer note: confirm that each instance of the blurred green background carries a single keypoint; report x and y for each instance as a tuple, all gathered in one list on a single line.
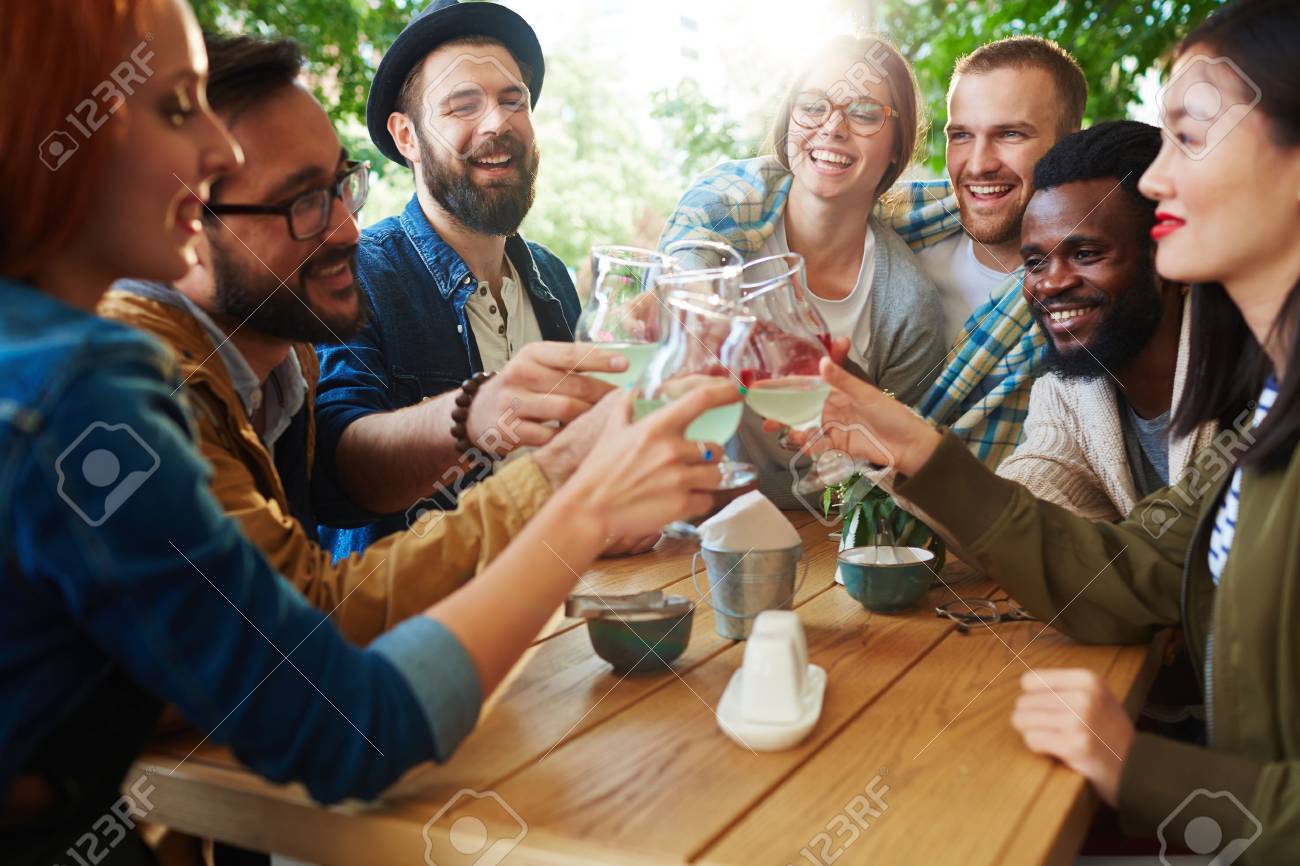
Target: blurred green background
[(640, 98)]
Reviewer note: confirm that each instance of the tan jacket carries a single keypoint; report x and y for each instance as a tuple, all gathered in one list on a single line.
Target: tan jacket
[(1073, 450), (368, 593)]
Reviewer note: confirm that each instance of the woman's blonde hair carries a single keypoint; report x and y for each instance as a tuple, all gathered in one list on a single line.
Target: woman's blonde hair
[(874, 59)]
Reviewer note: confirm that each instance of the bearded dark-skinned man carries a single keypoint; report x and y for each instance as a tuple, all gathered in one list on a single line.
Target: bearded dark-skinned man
[(1097, 438)]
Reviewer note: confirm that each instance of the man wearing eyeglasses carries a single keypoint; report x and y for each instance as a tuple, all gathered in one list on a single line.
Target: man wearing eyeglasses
[(454, 290), (277, 258)]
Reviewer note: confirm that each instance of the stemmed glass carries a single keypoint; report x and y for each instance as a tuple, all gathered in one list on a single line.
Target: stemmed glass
[(624, 313), (780, 367), (707, 337)]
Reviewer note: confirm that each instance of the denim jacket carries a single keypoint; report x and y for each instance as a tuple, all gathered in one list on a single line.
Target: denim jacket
[(117, 560), (417, 344)]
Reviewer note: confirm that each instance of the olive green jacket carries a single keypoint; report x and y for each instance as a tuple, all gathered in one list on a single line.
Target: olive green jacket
[(1121, 583)]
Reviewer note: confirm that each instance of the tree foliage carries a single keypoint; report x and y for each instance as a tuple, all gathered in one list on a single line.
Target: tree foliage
[(601, 180), (1113, 41), (343, 39), (612, 168), (699, 132)]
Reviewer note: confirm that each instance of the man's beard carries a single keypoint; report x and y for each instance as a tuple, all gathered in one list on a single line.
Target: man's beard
[(495, 209), (253, 298), (1119, 337), (996, 228), (993, 228)]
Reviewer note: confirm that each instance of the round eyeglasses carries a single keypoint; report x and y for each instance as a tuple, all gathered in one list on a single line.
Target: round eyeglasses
[(970, 613), (308, 214), (864, 116)]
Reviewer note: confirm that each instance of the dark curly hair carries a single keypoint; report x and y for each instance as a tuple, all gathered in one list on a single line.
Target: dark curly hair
[(1118, 149)]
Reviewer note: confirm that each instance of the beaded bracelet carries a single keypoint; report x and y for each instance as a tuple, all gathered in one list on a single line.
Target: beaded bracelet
[(460, 415)]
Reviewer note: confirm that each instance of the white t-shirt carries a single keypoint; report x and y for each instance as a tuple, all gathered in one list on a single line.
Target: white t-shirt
[(963, 281), (500, 335), (842, 316)]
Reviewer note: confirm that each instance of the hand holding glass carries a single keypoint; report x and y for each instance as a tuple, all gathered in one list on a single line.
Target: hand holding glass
[(706, 337)]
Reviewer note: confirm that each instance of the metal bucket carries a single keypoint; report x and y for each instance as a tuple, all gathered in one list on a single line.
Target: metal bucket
[(743, 584)]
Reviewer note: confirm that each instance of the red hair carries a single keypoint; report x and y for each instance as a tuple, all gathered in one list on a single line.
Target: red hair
[(41, 209)]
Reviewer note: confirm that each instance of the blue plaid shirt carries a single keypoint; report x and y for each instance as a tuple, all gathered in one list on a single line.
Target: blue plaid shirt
[(982, 394)]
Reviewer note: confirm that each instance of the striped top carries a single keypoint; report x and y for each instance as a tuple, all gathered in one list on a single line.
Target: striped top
[(1225, 522)]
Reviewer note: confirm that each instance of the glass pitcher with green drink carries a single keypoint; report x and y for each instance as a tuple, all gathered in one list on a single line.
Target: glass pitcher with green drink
[(624, 313), (707, 337)]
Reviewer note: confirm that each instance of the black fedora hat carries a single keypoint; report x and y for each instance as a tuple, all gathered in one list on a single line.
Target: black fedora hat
[(440, 22)]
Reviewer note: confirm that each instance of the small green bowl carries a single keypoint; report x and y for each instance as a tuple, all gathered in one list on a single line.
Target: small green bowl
[(886, 587), (625, 640)]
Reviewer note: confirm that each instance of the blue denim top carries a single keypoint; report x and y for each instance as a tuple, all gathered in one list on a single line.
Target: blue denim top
[(117, 558), (417, 344)]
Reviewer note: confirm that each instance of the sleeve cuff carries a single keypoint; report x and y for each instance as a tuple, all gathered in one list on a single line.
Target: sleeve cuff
[(959, 492), (1165, 784), (527, 487), (441, 676)]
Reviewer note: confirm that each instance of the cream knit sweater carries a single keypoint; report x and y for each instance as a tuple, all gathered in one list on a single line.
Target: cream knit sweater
[(1072, 452)]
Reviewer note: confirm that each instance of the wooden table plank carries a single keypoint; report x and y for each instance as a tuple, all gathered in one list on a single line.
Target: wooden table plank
[(558, 690), (931, 742), (664, 763), (604, 769), (1057, 820)]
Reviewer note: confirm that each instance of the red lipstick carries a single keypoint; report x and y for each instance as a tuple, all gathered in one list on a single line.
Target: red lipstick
[(1166, 224)]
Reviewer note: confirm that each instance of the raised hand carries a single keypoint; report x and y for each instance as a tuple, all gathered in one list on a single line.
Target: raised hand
[(864, 422), (541, 384), (642, 475)]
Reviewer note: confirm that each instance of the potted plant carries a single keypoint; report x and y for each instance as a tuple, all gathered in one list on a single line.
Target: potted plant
[(863, 508)]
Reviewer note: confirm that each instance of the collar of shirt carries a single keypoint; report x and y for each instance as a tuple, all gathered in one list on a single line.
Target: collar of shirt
[(449, 271), (501, 326), (285, 390)]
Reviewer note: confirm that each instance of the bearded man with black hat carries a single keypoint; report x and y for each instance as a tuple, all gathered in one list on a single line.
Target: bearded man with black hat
[(468, 353)]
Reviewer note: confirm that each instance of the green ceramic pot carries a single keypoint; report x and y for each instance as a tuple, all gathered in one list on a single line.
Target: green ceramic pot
[(886, 587), (625, 641)]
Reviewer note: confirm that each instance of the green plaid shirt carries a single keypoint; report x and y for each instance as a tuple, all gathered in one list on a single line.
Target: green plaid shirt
[(982, 394)]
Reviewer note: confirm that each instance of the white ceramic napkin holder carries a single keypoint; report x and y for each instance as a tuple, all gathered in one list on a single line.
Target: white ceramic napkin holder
[(774, 699)]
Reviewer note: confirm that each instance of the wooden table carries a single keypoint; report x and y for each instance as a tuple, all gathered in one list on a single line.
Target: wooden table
[(913, 760)]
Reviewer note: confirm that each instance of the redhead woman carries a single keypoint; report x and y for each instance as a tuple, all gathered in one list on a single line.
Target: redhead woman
[(125, 586)]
